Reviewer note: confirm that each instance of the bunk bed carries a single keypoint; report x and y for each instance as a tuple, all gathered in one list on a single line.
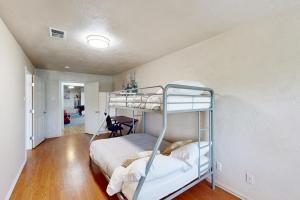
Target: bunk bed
[(108, 154)]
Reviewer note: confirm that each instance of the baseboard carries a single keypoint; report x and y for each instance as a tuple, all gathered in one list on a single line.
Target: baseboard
[(229, 190), (53, 137), (13, 184)]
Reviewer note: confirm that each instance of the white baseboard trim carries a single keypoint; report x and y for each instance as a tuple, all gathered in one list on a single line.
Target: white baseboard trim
[(229, 190), (13, 184), (53, 136)]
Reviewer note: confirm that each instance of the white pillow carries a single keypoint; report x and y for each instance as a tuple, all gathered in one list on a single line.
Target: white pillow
[(116, 181), (190, 152), (161, 166), (184, 91)]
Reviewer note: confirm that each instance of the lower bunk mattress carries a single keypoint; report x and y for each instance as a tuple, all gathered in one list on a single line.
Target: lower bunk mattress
[(110, 153)]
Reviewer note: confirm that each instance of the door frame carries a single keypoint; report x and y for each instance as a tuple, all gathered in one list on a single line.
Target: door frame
[(61, 103), (28, 97)]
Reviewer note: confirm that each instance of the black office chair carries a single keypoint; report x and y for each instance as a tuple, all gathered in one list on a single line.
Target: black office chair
[(114, 128)]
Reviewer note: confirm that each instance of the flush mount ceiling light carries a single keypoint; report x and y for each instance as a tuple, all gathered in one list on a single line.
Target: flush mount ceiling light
[(67, 67), (98, 41), (74, 84)]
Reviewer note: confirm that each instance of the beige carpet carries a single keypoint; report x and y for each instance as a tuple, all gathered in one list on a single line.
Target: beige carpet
[(72, 130)]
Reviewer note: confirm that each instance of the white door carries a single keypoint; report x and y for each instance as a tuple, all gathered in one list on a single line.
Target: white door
[(103, 108), (39, 111), (29, 108), (92, 113)]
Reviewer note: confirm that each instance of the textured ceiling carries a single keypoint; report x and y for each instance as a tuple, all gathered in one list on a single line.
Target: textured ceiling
[(139, 30)]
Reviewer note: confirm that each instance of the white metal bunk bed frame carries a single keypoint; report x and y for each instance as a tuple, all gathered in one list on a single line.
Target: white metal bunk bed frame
[(165, 112)]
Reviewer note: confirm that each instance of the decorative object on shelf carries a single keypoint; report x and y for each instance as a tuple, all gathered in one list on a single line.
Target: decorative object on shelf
[(134, 86), (131, 86)]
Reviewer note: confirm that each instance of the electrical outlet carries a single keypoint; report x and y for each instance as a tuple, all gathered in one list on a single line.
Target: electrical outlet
[(249, 178), (219, 166)]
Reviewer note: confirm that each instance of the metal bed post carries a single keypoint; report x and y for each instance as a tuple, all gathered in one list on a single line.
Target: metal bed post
[(106, 113), (211, 127), (126, 96), (156, 147), (199, 140), (133, 122), (144, 122)]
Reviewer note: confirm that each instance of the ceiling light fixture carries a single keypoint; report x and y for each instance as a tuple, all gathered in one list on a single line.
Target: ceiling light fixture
[(71, 87), (98, 41), (67, 67), (74, 84)]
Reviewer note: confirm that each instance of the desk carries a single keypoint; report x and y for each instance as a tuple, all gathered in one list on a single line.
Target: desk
[(126, 121)]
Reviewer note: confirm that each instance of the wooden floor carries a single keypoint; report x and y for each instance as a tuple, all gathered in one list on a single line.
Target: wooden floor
[(59, 169)]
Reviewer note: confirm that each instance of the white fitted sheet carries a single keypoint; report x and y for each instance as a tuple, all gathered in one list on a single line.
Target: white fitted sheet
[(154, 102), (159, 188), (110, 153)]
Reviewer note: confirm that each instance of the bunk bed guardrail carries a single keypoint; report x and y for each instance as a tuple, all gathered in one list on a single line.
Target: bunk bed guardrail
[(154, 101)]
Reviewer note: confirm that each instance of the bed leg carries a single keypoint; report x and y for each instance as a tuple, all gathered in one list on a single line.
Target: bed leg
[(213, 184)]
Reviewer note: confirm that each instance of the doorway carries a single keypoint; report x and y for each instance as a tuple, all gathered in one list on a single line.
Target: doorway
[(73, 108)]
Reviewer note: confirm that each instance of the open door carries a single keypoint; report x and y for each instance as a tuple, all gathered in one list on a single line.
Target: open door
[(39, 111), (102, 109), (92, 113)]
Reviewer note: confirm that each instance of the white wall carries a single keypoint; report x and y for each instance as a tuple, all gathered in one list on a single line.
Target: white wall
[(255, 70), (53, 94), (82, 97), (12, 110)]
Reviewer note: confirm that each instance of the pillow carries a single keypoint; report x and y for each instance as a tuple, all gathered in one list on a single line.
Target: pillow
[(184, 91), (161, 166), (137, 156), (190, 152), (171, 147), (116, 181)]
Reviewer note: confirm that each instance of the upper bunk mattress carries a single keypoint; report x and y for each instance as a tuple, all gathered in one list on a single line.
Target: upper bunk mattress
[(155, 102), (110, 153)]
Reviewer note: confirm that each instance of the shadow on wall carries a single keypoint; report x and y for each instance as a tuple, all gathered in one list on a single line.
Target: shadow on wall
[(248, 135)]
